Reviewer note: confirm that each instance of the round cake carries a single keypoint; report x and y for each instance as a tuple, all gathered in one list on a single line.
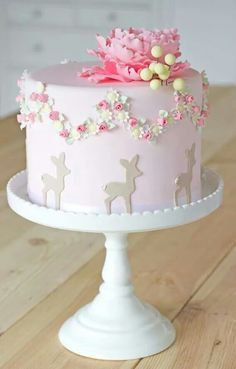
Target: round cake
[(121, 136)]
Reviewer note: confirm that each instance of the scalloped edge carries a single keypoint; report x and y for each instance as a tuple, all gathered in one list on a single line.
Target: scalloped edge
[(144, 213)]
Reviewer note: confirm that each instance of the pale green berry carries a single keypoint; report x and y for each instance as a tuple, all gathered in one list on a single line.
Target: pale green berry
[(179, 84), (170, 59), (165, 75), (156, 51), (159, 68), (146, 74), (155, 84), (152, 67)]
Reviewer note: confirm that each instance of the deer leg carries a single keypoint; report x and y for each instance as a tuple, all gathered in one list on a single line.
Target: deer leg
[(57, 201), (108, 204), (45, 197), (177, 196), (128, 204), (188, 194)]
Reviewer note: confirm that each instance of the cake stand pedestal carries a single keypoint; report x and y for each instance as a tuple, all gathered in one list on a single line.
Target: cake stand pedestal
[(116, 325)]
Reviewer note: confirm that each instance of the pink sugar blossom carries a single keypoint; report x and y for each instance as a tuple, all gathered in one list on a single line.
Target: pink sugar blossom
[(34, 96), (200, 122), (177, 98), (204, 113), (147, 135), (133, 122), (19, 98), (118, 106), (20, 118), (64, 133), (124, 53), (31, 117), (189, 98), (162, 121), (103, 105), (103, 127), (81, 128), (54, 115), (20, 83), (43, 98), (178, 115), (196, 109)]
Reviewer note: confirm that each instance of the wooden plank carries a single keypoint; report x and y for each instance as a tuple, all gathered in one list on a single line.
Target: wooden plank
[(169, 267), (206, 327)]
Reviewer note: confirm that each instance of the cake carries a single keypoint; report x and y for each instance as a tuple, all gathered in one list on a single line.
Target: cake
[(123, 136)]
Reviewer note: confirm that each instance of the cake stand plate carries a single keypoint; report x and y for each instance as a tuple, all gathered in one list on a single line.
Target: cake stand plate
[(116, 325)]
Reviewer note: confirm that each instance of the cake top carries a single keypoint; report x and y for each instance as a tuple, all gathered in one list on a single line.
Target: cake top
[(133, 57)]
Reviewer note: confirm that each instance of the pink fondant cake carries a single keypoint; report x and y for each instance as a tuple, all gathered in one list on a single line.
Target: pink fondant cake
[(124, 136)]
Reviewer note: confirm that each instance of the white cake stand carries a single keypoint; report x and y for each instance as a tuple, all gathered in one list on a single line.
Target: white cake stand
[(116, 325)]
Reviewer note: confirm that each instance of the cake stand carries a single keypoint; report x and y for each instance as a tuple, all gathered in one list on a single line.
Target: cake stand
[(116, 325)]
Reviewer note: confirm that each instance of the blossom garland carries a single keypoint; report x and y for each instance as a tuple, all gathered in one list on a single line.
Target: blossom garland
[(112, 111)]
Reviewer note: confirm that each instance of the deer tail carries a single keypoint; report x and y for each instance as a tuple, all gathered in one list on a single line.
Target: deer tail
[(177, 180)]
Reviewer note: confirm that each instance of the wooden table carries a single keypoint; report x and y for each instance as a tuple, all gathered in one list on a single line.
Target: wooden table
[(189, 272)]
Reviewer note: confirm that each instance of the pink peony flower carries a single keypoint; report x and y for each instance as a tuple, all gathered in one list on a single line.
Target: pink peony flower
[(162, 121), (103, 127), (54, 115), (81, 128), (125, 52), (118, 106), (64, 133), (133, 122), (103, 105)]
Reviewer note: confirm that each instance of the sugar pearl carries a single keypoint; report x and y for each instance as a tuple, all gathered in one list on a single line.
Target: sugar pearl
[(156, 51), (170, 59), (165, 75), (159, 68), (152, 67), (146, 74), (179, 84), (155, 84)]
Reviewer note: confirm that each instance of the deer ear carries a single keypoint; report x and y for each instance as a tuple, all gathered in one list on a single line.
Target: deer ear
[(124, 162), (135, 159)]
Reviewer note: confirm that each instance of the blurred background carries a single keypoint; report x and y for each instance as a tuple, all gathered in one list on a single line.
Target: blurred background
[(35, 33)]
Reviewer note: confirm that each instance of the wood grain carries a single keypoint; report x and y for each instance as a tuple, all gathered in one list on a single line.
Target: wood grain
[(187, 272)]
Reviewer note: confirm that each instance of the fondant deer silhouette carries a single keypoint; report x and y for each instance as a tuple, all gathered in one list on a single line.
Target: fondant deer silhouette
[(125, 190), (183, 181), (56, 184)]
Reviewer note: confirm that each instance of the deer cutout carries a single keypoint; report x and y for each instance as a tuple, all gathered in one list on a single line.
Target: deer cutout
[(56, 184), (183, 181), (125, 190)]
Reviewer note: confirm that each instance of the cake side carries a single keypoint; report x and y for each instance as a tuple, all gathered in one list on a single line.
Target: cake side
[(95, 162)]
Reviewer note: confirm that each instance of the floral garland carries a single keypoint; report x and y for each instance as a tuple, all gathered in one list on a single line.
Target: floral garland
[(112, 111)]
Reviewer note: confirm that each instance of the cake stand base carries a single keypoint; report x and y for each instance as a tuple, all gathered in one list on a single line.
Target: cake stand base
[(116, 325)]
